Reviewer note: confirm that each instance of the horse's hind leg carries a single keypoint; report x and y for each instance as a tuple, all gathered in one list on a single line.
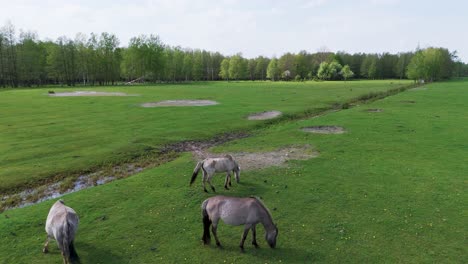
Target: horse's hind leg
[(244, 236), (227, 180), (214, 228), (254, 236), (46, 245)]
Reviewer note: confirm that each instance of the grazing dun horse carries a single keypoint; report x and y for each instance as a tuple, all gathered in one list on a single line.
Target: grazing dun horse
[(212, 165), (61, 225), (237, 211)]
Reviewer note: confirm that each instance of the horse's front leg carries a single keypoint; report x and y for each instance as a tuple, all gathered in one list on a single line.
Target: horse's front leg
[(209, 181), (46, 245), (244, 236), (204, 181), (227, 180), (254, 236)]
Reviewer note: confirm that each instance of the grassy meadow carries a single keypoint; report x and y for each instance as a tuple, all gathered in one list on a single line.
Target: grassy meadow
[(392, 189), (42, 137)]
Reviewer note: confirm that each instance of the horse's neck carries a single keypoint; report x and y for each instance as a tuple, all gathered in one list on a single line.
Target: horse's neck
[(266, 220)]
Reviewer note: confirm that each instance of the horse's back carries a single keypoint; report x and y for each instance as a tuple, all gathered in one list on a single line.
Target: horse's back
[(233, 210), (61, 216), (223, 164)]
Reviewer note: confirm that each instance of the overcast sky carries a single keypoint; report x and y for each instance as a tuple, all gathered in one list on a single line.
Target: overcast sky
[(255, 27)]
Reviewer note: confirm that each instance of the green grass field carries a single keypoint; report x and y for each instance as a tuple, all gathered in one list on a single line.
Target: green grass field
[(391, 189), (42, 136)]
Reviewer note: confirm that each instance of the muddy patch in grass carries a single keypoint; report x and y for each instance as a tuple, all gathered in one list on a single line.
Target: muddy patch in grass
[(88, 93), (324, 129), (180, 103), (374, 110), (260, 160), (264, 115), (408, 101), (418, 89)]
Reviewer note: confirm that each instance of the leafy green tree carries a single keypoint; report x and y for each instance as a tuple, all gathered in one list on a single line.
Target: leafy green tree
[(237, 67), (431, 64), (328, 71), (272, 70), (9, 62), (31, 60), (300, 63), (252, 64), (346, 72), (197, 67), (224, 73), (261, 68), (287, 62), (187, 65)]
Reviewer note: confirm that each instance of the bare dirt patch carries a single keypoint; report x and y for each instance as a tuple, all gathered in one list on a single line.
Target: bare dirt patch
[(408, 101), (260, 160), (180, 103), (374, 110), (264, 115), (418, 89), (324, 129), (88, 93)]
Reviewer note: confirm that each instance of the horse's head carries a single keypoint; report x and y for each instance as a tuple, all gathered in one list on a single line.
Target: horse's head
[(270, 237), (237, 173)]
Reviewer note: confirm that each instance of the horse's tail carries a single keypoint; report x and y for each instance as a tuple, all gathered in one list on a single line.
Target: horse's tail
[(68, 247), (206, 223), (74, 258), (196, 170)]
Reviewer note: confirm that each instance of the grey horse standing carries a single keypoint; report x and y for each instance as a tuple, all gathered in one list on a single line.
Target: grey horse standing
[(237, 211), (62, 223), (212, 165)]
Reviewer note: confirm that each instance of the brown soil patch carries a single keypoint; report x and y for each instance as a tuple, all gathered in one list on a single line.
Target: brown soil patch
[(408, 102), (180, 103), (374, 110), (260, 160), (264, 115), (324, 129), (88, 93)]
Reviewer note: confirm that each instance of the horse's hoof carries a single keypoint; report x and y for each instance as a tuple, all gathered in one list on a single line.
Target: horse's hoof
[(218, 244), (225, 187), (45, 250), (242, 249), (255, 245), (205, 191)]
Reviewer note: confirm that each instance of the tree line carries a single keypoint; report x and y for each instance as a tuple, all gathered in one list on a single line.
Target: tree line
[(99, 59)]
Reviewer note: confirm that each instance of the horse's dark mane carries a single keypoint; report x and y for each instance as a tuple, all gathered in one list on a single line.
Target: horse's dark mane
[(263, 206)]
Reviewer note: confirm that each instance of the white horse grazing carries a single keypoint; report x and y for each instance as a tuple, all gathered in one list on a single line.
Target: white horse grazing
[(61, 225), (212, 165), (237, 211)]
